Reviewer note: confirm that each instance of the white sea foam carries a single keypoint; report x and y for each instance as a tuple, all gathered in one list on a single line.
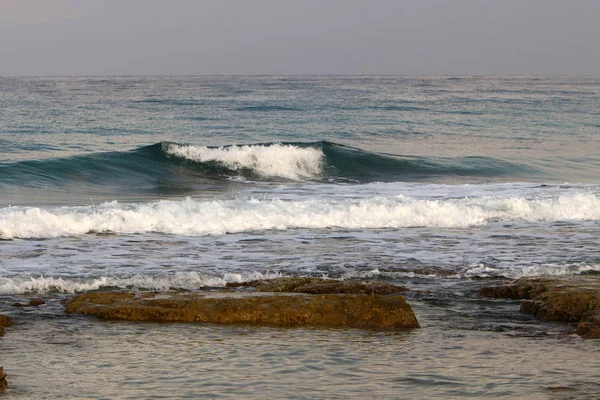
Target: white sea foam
[(196, 218), (484, 271), (277, 160), (179, 280), (520, 271)]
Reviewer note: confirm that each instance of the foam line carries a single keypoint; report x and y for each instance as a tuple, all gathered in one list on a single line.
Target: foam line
[(198, 218)]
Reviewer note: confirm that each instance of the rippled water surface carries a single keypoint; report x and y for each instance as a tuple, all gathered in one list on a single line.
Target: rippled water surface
[(474, 349)]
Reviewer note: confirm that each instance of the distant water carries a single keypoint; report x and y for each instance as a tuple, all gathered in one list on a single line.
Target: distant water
[(436, 183)]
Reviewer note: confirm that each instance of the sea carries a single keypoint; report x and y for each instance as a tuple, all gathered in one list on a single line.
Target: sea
[(440, 184)]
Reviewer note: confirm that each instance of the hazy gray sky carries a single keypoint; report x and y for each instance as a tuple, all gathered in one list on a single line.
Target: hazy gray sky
[(424, 37)]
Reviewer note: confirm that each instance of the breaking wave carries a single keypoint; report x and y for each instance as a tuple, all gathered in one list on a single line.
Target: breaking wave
[(167, 164), (216, 217), (273, 161)]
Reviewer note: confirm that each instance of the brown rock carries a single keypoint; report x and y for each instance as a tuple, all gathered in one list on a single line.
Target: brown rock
[(35, 302), (3, 382), (288, 284), (311, 285), (517, 290), (590, 327), (570, 299), (349, 288), (376, 312), (4, 321)]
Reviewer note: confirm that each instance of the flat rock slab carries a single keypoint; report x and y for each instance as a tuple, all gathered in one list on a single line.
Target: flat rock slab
[(375, 312), (570, 299)]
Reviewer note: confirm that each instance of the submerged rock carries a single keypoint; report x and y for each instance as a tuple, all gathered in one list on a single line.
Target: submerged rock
[(3, 382), (570, 299), (35, 302), (4, 321), (375, 312)]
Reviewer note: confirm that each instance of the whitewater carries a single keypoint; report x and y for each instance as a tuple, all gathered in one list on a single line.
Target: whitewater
[(190, 217)]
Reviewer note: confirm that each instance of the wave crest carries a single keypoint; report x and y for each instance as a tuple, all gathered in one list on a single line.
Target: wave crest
[(270, 161)]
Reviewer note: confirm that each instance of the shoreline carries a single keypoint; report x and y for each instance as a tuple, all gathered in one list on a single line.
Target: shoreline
[(52, 329)]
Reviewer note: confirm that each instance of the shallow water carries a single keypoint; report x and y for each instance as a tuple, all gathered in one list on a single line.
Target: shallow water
[(466, 348)]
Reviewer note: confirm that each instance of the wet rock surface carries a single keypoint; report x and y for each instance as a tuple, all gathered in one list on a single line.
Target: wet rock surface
[(35, 302), (569, 299), (4, 322), (311, 285), (288, 284), (3, 381), (374, 312), (349, 288)]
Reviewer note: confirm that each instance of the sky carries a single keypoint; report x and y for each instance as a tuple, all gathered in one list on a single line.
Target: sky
[(249, 37)]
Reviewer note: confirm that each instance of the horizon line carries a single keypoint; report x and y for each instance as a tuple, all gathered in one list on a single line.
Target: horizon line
[(300, 75)]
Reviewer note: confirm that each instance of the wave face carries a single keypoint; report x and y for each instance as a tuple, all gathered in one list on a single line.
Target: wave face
[(197, 218), (167, 166)]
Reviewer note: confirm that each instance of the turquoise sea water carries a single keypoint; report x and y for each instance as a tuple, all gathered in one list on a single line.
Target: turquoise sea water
[(442, 184)]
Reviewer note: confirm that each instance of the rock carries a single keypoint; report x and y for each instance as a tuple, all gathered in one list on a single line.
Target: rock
[(4, 322), (569, 299), (3, 382), (35, 302), (349, 288), (311, 285), (516, 290), (283, 284), (375, 312)]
